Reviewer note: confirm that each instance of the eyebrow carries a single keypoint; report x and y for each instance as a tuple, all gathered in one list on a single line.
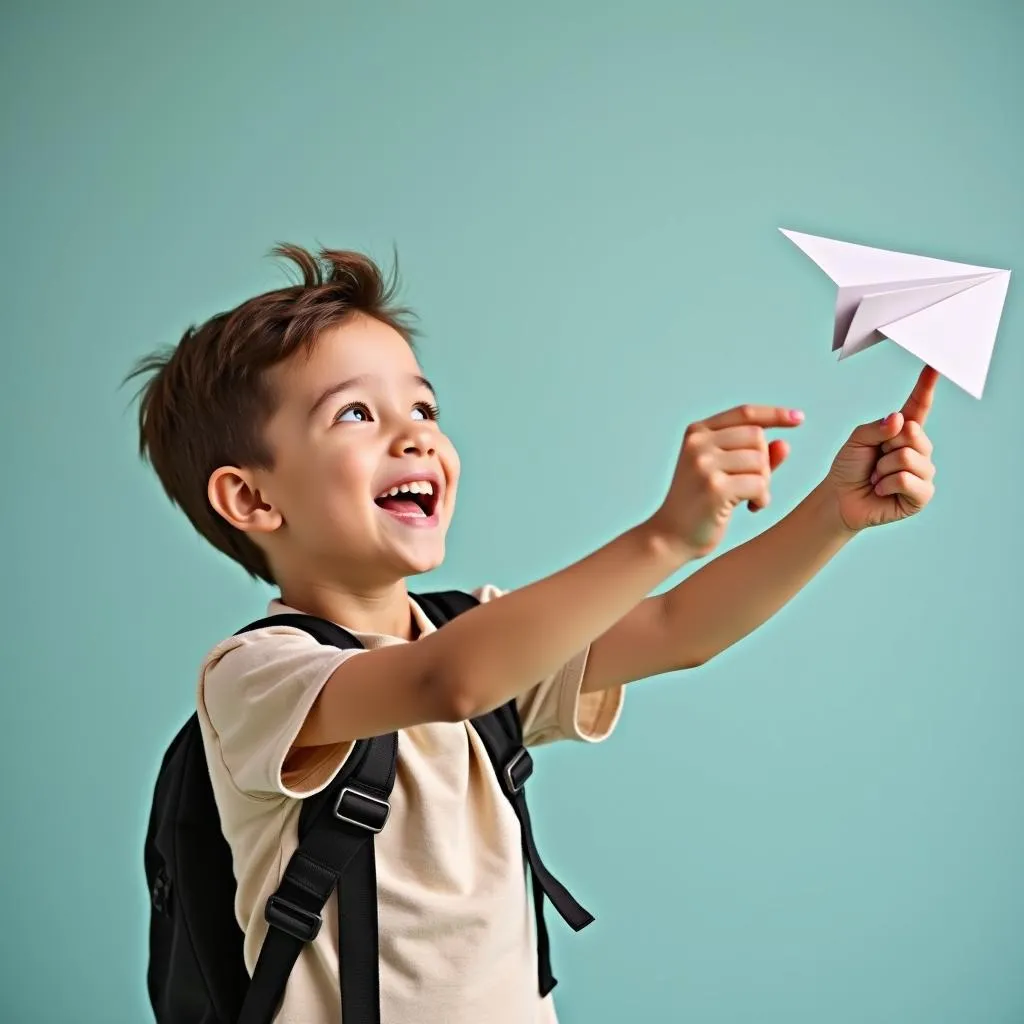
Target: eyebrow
[(354, 382)]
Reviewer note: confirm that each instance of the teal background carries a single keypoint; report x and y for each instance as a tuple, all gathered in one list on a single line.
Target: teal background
[(824, 824)]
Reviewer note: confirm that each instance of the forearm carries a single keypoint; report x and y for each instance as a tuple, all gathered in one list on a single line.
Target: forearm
[(735, 593), (494, 652)]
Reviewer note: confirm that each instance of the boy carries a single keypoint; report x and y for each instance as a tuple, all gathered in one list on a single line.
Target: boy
[(300, 437)]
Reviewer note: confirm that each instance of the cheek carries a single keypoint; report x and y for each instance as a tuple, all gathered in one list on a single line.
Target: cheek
[(346, 476), (449, 460), (334, 483)]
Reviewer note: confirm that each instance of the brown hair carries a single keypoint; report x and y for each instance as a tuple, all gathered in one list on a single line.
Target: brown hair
[(207, 400)]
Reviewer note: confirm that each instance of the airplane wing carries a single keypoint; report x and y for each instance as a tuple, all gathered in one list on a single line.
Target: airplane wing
[(945, 313)]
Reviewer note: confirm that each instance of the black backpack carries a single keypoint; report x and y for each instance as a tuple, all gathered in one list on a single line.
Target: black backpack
[(196, 972)]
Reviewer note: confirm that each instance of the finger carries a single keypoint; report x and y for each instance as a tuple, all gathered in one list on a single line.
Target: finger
[(756, 415), (778, 452), (906, 485), (908, 460), (912, 435), (742, 460), (878, 431), (749, 487), (919, 404), (740, 437), (753, 438)]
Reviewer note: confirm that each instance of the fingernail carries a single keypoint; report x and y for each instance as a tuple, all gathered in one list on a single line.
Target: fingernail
[(796, 415), (885, 417), (874, 477)]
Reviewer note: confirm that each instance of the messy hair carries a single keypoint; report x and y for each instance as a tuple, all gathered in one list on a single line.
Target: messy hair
[(206, 401)]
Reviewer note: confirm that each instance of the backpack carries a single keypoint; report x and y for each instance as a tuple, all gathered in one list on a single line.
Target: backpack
[(196, 972)]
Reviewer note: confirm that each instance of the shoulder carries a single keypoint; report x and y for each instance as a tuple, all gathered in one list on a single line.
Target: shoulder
[(266, 666), (259, 647), (255, 691)]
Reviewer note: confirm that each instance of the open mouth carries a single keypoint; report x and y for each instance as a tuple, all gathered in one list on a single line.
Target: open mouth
[(414, 500)]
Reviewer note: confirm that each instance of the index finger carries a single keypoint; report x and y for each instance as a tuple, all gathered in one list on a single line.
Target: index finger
[(919, 404), (755, 415)]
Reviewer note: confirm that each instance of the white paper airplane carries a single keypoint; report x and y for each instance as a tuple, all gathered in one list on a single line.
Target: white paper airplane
[(946, 314)]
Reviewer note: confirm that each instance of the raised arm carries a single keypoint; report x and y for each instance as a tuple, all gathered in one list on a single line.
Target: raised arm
[(496, 651)]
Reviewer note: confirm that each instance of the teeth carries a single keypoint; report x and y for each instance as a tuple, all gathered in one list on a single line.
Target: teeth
[(416, 487)]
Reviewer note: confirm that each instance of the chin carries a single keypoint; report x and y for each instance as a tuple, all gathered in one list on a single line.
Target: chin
[(420, 564), (413, 556), (417, 549)]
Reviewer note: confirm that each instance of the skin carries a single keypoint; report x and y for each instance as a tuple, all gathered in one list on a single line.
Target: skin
[(335, 553), (883, 474)]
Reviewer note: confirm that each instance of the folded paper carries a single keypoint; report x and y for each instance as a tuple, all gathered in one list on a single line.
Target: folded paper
[(945, 313)]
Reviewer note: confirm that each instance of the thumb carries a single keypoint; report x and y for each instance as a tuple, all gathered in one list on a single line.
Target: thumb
[(878, 431)]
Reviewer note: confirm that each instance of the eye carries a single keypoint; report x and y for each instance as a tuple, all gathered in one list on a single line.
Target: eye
[(355, 413), (428, 411)]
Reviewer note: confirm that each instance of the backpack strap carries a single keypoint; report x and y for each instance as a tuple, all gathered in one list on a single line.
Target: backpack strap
[(336, 848), (336, 851), (444, 605), (502, 734), (513, 766)]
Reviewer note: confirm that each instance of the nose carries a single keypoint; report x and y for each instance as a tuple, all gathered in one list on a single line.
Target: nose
[(416, 438)]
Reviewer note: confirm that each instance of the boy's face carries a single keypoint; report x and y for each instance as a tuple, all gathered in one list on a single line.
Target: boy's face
[(355, 421)]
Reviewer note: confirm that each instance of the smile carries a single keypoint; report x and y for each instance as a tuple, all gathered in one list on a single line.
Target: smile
[(411, 502)]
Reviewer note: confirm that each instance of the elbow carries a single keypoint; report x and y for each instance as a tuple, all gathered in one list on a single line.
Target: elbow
[(461, 707), (460, 679), (445, 697), (455, 695), (686, 660), (461, 701), (695, 659)]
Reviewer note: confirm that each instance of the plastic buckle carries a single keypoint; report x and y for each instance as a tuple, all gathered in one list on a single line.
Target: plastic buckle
[(303, 925), (362, 809), (518, 770)]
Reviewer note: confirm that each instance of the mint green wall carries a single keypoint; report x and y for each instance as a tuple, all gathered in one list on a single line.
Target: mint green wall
[(827, 823)]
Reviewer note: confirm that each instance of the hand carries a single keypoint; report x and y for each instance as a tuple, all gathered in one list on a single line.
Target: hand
[(884, 472), (724, 460)]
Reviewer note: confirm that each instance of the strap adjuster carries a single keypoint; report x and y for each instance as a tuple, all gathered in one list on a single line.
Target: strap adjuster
[(293, 920), (518, 770), (362, 809)]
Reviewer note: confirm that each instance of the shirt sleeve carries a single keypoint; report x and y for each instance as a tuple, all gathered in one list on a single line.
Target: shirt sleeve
[(555, 709), (256, 690)]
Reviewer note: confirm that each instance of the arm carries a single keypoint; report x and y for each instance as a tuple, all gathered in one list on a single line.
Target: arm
[(496, 651), (493, 652), (882, 474), (721, 603)]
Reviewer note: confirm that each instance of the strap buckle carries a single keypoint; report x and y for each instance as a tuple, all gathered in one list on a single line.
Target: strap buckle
[(518, 770), (293, 920), (362, 809)]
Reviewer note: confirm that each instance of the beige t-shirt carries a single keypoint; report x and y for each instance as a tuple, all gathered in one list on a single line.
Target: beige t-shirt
[(456, 927)]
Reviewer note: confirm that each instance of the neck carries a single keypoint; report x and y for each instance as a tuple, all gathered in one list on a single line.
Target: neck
[(384, 610)]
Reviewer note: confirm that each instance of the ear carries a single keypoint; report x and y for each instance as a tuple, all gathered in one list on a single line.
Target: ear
[(234, 496)]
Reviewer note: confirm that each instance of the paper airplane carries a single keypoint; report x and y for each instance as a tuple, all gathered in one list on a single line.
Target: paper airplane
[(946, 314)]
